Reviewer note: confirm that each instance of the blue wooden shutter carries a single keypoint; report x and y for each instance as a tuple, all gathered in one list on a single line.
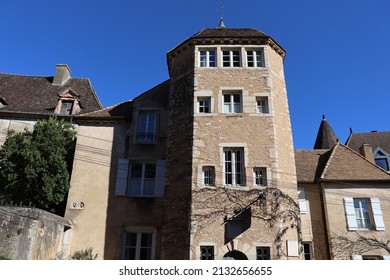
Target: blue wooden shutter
[(350, 213), (160, 177), (121, 176), (377, 213)]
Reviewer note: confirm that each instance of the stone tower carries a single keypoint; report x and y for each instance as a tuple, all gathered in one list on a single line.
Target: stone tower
[(229, 138)]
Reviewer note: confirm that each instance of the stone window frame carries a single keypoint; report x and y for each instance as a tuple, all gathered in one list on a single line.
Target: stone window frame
[(244, 147), (266, 170), (255, 53), (206, 244), (231, 92), (208, 55), (229, 52), (202, 95)]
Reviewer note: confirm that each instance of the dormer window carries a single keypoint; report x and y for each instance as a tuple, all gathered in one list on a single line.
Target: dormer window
[(68, 103), (382, 159), (66, 107)]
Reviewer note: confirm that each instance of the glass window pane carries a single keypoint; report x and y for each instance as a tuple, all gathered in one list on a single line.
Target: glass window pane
[(131, 239), (146, 240), (150, 170), (129, 254), (136, 170)]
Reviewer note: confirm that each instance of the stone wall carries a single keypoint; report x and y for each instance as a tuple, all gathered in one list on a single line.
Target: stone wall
[(30, 233)]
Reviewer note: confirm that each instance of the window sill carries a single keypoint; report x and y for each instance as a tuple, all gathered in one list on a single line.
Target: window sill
[(205, 114), (256, 187), (236, 187), (233, 115), (261, 114)]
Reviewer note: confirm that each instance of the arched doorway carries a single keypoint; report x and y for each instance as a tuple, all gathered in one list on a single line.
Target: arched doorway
[(235, 255)]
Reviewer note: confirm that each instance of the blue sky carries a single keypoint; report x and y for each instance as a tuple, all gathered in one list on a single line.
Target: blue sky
[(337, 60)]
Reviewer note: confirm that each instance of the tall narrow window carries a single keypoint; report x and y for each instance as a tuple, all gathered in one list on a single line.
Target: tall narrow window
[(147, 127), (206, 252), (262, 105), (260, 176), (232, 103), (207, 58), (255, 58), (138, 246), (362, 213), (208, 175), (234, 166), (307, 251), (263, 253), (142, 179), (231, 58)]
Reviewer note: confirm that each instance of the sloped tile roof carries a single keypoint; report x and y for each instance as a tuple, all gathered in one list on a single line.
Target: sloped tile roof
[(310, 164), (230, 33), (346, 164), (374, 138), (119, 110), (36, 94), (339, 163)]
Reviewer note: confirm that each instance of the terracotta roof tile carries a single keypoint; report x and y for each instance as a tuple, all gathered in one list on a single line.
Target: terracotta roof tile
[(35, 94), (347, 165), (310, 164), (375, 139)]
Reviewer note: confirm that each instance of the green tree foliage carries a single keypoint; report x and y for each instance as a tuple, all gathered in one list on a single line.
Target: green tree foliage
[(35, 165)]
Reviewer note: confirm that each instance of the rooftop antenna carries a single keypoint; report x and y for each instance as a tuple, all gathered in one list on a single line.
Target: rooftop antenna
[(221, 9)]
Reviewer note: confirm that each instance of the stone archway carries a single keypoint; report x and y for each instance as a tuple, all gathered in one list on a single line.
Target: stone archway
[(235, 255)]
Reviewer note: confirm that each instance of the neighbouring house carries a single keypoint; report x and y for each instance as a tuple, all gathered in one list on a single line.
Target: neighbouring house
[(344, 200), (23, 101), (26, 99)]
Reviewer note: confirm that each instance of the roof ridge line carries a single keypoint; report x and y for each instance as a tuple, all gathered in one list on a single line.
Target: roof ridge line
[(105, 108), (363, 157), (329, 160)]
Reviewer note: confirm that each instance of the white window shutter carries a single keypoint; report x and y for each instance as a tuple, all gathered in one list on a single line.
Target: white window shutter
[(377, 213), (302, 200), (160, 177), (121, 176), (292, 248), (357, 257), (386, 257), (350, 213)]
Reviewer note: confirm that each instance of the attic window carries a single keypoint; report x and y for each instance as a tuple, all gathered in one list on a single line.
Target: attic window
[(66, 107), (382, 159)]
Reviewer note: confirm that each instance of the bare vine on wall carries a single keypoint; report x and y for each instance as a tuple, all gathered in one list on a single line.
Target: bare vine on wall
[(357, 244), (277, 209)]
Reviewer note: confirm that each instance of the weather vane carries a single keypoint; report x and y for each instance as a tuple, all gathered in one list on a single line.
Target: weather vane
[(221, 10)]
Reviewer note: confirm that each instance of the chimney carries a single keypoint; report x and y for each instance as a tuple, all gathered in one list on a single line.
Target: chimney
[(62, 74), (366, 151)]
